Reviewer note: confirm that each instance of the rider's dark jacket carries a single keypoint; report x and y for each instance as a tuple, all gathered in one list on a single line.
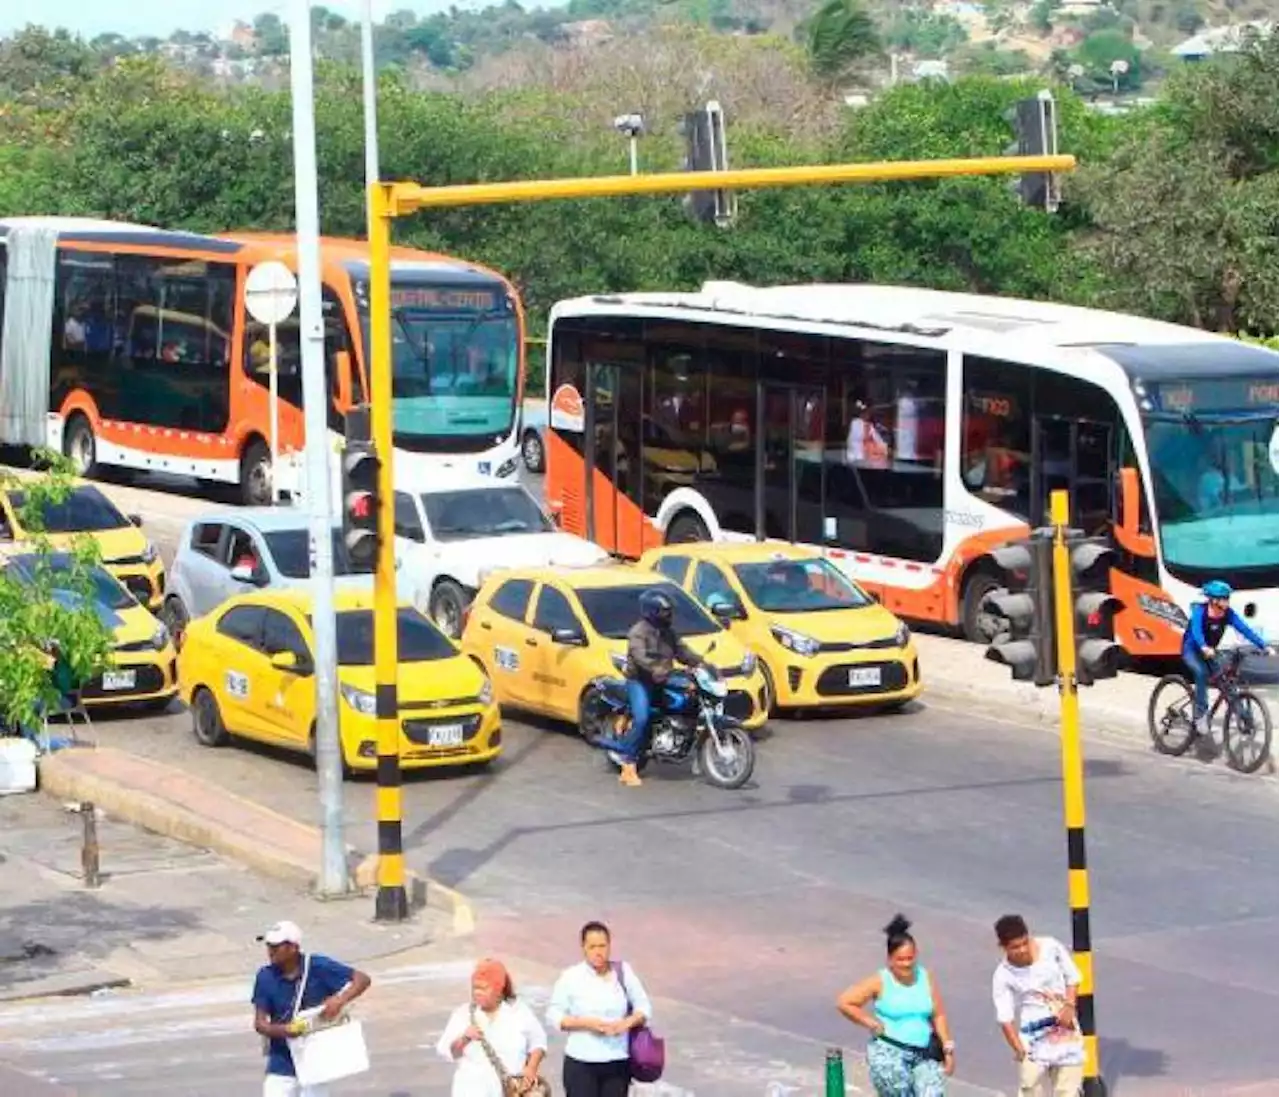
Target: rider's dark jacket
[(652, 652)]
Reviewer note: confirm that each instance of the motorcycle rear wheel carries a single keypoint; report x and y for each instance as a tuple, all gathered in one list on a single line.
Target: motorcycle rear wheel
[(732, 769)]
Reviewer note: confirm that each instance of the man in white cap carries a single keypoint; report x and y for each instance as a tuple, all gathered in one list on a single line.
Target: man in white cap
[(277, 1000)]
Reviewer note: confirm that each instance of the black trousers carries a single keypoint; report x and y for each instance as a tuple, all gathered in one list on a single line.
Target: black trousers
[(611, 1079)]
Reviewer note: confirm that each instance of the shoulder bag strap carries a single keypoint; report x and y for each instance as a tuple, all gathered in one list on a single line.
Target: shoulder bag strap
[(302, 984), (488, 1048), (622, 982)]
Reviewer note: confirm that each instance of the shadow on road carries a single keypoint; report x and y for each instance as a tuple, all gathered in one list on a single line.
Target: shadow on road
[(1120, 1060)]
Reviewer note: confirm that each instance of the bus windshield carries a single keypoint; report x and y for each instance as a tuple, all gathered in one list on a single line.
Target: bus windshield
[(1214, 475), (455, 365)]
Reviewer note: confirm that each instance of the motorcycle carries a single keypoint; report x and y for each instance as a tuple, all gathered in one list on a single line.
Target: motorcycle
[(690, 723)]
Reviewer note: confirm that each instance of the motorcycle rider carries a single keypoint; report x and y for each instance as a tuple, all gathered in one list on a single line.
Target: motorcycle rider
[(1205, 630), (653, 649)]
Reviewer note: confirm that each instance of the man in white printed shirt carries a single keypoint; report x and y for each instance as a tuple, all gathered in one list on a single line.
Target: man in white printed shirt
[(1034, 989)]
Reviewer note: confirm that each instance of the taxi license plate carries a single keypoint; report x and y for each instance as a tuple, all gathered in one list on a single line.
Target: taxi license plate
[(114, 680), (445, 735), (864, 676)]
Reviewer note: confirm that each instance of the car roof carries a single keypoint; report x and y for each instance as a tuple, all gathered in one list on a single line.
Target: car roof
[(742, 552), (299, 598), (584, 578), (262, 519)]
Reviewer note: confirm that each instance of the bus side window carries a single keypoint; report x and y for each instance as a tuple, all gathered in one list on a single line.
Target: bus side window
[(995, 454)]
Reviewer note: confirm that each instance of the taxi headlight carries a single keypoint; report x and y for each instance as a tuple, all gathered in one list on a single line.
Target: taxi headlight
[(795, 641), (902, 636), (160, 638), (486, 693), (360, 701), (618, 660), (150, 554), (749, 663)]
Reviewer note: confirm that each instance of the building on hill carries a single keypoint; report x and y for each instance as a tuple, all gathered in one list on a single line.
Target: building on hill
[(1228, 39)]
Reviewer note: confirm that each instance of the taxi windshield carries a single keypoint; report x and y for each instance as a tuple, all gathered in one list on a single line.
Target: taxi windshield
[(85, 510), (94, 581), (417, 639), (799, 586), (613, 610)]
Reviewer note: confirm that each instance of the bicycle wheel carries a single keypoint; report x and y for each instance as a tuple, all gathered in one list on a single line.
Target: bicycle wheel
[(1169, 716), (1246, 733)]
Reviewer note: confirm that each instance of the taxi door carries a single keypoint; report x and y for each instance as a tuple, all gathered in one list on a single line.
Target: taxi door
[(287, 698), (237, 659), (500, 640), (561, 667)]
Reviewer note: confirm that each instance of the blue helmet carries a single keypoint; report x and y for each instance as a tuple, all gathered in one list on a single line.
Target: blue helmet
[(656, 607), (1216, 588)]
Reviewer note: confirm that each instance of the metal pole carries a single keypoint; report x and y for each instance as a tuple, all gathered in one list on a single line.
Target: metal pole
[(1073, 792), (370, 82), (334, 879), (392, 904), (635, 155), (273, 363)]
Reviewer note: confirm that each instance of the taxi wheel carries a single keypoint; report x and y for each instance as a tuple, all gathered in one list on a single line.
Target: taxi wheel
[(446, 607), (175, 617), (206, 720), (770, 692)]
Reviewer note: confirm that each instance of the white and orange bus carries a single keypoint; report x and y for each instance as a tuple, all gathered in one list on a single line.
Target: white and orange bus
[(130, 346), (908, 431)]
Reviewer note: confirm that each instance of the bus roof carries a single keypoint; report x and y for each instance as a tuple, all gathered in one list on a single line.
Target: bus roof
[(904, 309)]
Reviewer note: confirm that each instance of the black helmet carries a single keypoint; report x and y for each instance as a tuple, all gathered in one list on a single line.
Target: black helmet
[(657, 608)]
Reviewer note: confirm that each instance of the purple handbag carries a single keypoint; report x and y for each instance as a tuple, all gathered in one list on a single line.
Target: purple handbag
[(647, 1052)]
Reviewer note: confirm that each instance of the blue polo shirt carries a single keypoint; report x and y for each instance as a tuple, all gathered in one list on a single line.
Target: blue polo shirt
[(274, 995)]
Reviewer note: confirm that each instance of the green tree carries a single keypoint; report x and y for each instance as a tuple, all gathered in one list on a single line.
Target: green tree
[(1099, 54), (839, 36), (52, 605)]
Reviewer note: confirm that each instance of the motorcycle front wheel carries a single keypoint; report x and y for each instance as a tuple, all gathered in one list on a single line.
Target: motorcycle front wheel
[(731, 765)]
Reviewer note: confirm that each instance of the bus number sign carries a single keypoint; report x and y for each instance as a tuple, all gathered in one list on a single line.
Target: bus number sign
[(426, 297), (998, 407)]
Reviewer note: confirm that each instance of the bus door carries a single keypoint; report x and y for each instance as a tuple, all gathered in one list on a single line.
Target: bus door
[(606, 461), (1074, 455), (789, 462)]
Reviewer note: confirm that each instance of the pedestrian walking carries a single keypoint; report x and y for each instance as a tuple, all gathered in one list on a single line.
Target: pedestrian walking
[(495, 1039), (911, 1053), (598, 1002), (1034, 988), (287, 985)]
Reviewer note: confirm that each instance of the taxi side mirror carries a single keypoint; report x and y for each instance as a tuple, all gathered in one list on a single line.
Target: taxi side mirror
[(570, 637), (135, 519), (243, 573), (725, 609), (289, 661)]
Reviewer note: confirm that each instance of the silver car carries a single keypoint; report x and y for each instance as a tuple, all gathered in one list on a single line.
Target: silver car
[(229, 552)]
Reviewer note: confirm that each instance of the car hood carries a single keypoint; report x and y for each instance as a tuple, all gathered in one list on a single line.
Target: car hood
[(466, 559), (863, 625), (456, 679)]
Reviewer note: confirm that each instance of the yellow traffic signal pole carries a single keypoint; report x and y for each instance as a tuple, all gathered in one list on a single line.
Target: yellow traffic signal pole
[(1073, 791), (392, 904), (391, 200)]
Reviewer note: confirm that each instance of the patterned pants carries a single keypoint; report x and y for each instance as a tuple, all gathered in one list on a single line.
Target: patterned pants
[(896, 1072)]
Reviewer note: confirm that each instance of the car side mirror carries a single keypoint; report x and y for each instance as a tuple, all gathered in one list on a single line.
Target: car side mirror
[(726, 609), (570, 637), (135, 519), (285, 660), (243, 573)]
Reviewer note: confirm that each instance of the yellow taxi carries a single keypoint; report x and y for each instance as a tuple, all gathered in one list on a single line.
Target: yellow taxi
[(822, 640), (247, 669), (543, 633), (125, 550), (143, 668)]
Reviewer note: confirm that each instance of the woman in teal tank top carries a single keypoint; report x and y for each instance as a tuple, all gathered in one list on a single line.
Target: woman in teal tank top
[(911, 1053)]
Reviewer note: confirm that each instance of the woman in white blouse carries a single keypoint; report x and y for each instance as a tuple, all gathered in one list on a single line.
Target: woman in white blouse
[(495, 1015), (590, 1003)]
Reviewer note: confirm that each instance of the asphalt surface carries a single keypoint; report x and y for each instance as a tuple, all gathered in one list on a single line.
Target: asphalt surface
[(763, 904)]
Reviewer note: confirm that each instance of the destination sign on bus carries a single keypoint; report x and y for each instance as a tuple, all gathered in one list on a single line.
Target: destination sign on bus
[(436, 297), (1216, 394)]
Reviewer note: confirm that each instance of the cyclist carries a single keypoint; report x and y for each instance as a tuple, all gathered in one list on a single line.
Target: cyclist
[(1209, 622)]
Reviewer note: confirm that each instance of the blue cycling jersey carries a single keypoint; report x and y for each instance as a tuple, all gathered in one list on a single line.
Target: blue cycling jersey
[(1204, 631)]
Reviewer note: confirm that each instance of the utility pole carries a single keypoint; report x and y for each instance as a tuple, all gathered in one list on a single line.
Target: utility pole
[(315, 397), (370, 84)]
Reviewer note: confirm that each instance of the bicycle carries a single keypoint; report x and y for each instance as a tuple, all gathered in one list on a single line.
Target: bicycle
[(1246, 723)]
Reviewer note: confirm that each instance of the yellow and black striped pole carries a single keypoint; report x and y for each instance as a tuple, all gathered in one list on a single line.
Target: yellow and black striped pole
[(1073, 792), (392, 904)]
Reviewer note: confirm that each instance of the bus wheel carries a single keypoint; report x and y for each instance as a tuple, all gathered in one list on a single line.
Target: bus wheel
[(255, 475), (979, 626), (535, 458), (79, 446), (687, 527)]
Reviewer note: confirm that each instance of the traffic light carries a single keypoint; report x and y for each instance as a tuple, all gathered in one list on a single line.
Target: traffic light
[(1098, 656), (1026, 639), (1035, 126), (706, 149), (360, 501)]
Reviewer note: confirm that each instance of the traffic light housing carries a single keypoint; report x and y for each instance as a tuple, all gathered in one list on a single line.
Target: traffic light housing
[(706, 149), (1098, 656), (361, 504), (1035, 127), (1026, 639)]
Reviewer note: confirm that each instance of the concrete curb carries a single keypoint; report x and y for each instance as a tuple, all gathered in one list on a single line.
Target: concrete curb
[(66, 986), (60, 778)]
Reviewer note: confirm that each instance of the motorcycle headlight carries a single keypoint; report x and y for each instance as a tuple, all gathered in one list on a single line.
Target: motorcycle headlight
[(486, 693), (359, 701), (902, 636), (618, 660), (160, 637), (150, 554), (795, 641), (749, 663)]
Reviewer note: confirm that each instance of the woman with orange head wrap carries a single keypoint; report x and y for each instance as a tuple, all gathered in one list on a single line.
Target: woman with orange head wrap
[(495, 1039)]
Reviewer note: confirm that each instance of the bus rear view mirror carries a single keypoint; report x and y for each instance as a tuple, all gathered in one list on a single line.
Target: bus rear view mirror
[(1128, 533)]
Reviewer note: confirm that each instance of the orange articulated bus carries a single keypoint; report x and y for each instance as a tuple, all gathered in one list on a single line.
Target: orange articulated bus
[(907, 432), (130, 346)]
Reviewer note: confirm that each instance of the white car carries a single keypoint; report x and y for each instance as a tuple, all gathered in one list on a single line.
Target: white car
[(451, 534)]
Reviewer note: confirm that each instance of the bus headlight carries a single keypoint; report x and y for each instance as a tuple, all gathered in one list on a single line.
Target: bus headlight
[(507, 468)]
